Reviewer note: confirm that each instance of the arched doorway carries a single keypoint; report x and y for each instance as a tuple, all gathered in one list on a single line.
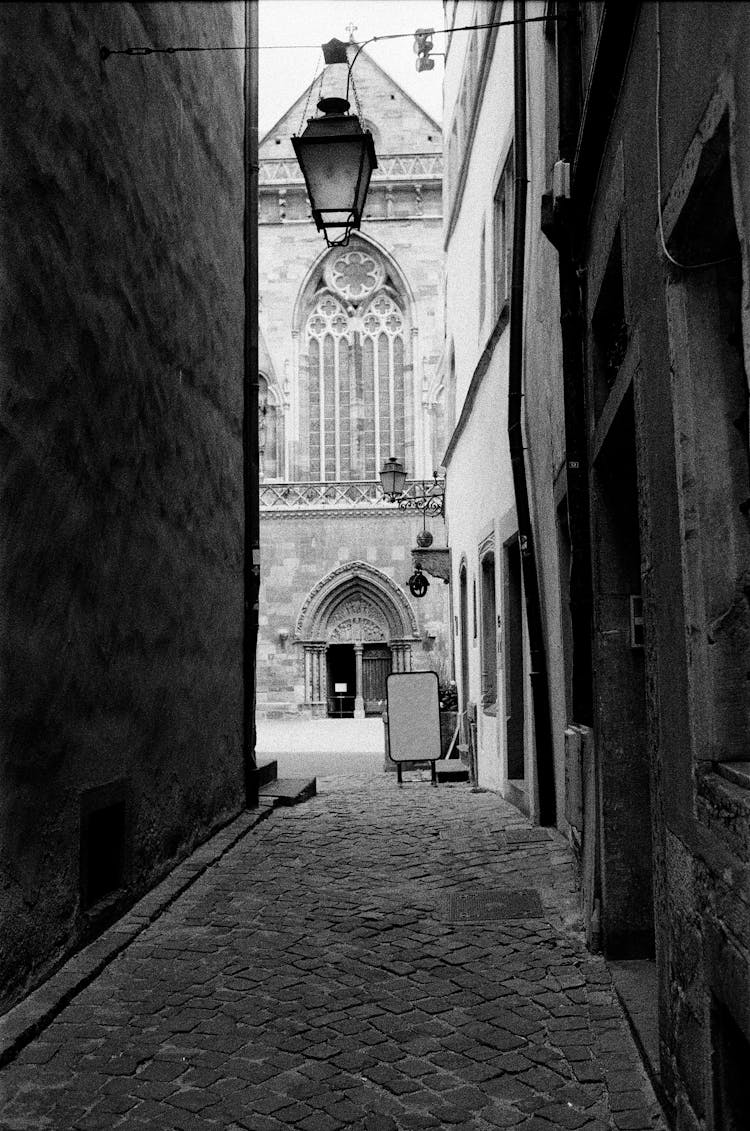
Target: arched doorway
[(463, 612), (354, 628)]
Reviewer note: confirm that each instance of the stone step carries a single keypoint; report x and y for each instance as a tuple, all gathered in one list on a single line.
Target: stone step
[(289, 791), (451, 769)]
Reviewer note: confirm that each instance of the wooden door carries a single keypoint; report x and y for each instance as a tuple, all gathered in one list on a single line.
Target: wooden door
[(376, 666)]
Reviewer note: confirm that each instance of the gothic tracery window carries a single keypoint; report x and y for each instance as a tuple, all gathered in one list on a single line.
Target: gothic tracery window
[(356, 339), (270, 433)]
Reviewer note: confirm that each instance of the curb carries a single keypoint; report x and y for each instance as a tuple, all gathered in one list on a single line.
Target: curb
[(21, 1024)]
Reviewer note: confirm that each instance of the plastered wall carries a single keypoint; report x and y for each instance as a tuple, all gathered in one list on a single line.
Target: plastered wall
[(120, 507)]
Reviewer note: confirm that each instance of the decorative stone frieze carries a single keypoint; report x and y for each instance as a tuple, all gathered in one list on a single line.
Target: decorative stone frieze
[(406, 166)]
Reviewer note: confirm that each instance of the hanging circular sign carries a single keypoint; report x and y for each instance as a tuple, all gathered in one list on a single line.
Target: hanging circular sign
[(418, 583)]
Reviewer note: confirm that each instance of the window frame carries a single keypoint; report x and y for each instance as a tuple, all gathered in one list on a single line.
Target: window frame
[(384, 363), (488, 636), (502, 231)]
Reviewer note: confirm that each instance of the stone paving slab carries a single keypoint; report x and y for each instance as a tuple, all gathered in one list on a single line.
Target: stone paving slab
[(308, 978), (29, 1017)]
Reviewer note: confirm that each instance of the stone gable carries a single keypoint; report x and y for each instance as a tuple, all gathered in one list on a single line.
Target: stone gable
[(398, 124)]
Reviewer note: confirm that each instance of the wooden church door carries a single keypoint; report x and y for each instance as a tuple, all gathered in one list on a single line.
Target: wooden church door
[(376, 666)]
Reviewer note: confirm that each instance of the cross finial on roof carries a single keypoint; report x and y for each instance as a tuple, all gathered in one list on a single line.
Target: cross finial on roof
[(351, 28)]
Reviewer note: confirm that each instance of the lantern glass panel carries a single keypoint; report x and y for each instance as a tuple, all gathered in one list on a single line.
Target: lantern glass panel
[(333, 171), (393, 477)]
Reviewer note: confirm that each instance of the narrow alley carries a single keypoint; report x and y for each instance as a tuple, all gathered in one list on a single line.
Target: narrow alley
[(374, 958)]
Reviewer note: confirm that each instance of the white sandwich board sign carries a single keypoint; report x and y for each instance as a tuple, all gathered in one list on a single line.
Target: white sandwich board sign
[(413, 719)]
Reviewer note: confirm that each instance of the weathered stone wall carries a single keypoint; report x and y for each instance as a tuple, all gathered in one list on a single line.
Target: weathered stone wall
[(543, 409), (121, 510), (683, 417)]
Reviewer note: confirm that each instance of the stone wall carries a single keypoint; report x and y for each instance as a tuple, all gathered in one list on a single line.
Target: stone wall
[(303, 544), (543, 408), (684, 351), (121, 509), (296, 552), (288, 252)]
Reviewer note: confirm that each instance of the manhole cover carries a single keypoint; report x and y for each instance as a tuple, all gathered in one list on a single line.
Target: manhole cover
[(492, 906), (526, 836)]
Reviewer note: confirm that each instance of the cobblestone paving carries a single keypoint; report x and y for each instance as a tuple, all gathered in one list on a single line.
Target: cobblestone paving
[(313, 979)]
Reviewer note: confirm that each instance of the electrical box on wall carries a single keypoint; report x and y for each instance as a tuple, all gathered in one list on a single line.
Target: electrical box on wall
[(561, 180), (636, 620)]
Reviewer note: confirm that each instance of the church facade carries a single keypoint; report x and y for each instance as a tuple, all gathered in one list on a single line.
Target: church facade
[(350, 373)]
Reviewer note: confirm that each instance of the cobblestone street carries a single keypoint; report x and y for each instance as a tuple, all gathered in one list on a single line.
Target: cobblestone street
[(350, 962)]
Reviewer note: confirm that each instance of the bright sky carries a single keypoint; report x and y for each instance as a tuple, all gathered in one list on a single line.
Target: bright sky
[(284, 74)]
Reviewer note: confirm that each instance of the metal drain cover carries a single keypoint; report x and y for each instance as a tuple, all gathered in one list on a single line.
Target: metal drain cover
[(526, 836), (493, 906)]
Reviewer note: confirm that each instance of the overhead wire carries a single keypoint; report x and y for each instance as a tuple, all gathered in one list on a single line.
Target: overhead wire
[(309, 91), (105, 52)]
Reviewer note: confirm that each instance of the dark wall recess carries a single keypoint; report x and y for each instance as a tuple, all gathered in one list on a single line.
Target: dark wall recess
[(731, 1081), (104, 848)]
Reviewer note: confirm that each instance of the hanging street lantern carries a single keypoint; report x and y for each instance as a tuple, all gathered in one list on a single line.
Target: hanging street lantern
[(392, 478), (422, 496), (337, 158)]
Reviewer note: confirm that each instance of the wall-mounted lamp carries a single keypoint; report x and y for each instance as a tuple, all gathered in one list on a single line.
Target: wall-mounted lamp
[(423, 496), (283, 637), (393, 478)]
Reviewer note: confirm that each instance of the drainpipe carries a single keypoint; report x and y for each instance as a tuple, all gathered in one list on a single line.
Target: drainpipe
[(539, 681), (572, 337), (250, 439)]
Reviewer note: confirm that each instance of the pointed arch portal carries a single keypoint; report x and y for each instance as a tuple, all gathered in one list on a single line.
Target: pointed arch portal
[(354, 627)]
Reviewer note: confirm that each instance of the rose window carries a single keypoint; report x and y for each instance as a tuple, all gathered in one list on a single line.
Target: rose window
[(355, 274)]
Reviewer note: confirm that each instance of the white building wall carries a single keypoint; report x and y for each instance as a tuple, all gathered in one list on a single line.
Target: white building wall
[(480, 496), (479, 489), (479, 503), (493, 135)]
